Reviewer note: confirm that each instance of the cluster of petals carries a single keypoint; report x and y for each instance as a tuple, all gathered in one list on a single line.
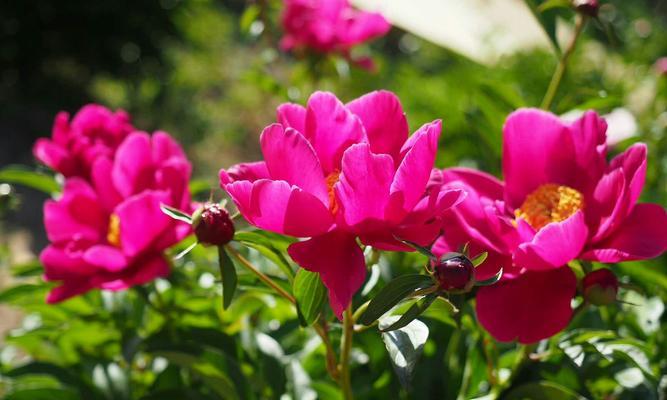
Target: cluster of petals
[(335, 173), (328, 25), (94, 132), (107, 230), (561, 200)]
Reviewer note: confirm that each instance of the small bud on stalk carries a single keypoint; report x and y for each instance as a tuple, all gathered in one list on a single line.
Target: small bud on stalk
[(454, 273), (600, 287), (212, 225), (587, 7)]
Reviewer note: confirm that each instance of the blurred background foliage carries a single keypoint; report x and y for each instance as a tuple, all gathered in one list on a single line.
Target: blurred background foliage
[(209, 72)]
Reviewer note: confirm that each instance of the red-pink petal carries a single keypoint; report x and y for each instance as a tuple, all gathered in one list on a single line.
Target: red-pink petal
[(143, 271), (289, 157), (364, 26), (642, 235), (533, 306), (142, 222), (484, 184), (56, 157), (68, 289), (537, 149), (293, 116), (331, 129), (554, 245), (339, 261), (383, 118), (76, 216), (276, 206), (251, 171), (102, 181), (133, 166), (413, 173), (165, 147), (363, 188), (106, 257)]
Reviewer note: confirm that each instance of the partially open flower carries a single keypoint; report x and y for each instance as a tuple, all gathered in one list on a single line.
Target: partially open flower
[(454, 273), (587, 7), (600, 287), (212, 225)]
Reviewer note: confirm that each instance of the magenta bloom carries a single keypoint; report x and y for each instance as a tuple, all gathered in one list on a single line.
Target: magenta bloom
[(328, 25), (335, 173), (94, 132), (560, 201), (110, 233)]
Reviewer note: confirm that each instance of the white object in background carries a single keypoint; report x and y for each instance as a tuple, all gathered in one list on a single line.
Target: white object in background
[(483, 30)]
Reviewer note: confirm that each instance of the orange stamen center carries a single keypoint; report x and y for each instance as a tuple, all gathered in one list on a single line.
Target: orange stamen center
[(331, 180), (550, 203), (113, 235)]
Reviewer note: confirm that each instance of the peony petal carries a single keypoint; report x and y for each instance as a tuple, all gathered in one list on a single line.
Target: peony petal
[(102, 181), (292, 116), (142, 222), (363, 26), (363, 188), (618, 191), (530, 307), (68, 289), (244, 172), (57, 158), (143, 271), (483, 184), (554, 245), (331, 129), (61, 263), (537, 149), (642, 235), (173, 176), (133, 166), (105, 257), (413, 173), (289, 157), (383, 118), (276, 206), (76, 216), (165, 147), (339, 261), (590, 145)]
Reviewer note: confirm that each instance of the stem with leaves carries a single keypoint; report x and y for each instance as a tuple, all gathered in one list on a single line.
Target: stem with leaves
[(562, 63), (346, 349), (320, 329)]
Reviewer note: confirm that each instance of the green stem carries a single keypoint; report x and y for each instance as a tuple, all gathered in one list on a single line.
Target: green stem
[(319, 328), (346, 349), (562, 64)]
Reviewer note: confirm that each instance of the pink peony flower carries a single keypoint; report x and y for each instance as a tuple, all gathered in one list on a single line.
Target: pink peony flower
[(94, 132), (560, 201), (110, 233), (334, 173), (328, 25)]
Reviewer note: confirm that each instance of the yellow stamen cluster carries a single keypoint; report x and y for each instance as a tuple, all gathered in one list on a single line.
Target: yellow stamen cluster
[(113, 235), (550, 203), (331, 180)]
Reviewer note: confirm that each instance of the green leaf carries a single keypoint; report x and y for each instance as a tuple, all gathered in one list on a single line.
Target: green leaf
[(199, 186), (413, 312), (310, 294), (43, 394), (479, 259), (33, 268), (405, 346), (495, 278), (19, 291), (549, 4), (63, 375), (421, 249), (392, 294), (249, 16), (547, 20), (542, 391), (21, 175), (274, 256), (176, 214), (228, 275)]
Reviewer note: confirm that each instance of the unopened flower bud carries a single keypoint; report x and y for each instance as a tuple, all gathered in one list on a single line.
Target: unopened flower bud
[(600, 287), (454, 273), (587, 7), (212, 225)]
